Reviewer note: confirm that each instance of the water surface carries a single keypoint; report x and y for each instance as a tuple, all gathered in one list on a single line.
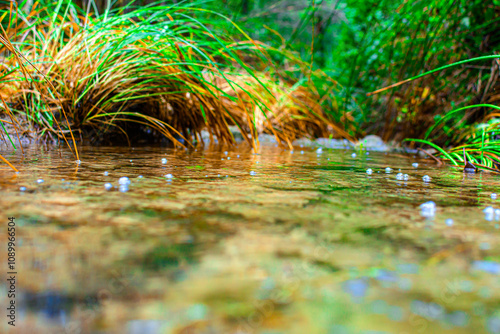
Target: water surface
[(308, 244)]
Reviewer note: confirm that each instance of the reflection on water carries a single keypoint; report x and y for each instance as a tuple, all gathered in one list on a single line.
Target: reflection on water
[(216, 241)]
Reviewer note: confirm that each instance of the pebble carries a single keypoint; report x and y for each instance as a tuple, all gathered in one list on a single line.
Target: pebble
[(487, 266), (415, 164), (124, 181), (22, 188), (169, 176), (40, 181), (164, 161), (252, 173), (369, 171), (426, 178), (108, 186)]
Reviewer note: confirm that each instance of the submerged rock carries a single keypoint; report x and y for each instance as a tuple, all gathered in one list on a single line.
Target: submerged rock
[(303, 142), (333, 143), (265, 138), (487, 266), (373, 143)]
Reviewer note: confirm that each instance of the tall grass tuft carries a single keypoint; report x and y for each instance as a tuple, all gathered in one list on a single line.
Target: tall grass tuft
[(174, 69)]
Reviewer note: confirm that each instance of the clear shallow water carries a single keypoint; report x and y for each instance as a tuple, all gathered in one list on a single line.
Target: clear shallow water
[(306, 245)]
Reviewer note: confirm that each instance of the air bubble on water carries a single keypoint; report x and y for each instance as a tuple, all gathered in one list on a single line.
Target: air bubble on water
[(123, 188), (238, 156), (489, 210), (140, 176), (78, 162), (108, 186), (228, 158), (301, 152), (22, 188), (225, 152), (428, 209), (40, 181), (252, 173), (169, 176), (106, 173), (449, 221), (319, 150), (353, 155), (415, 164), (124, 181), (426, 178), (399, 176), (493, 196), (388, 170), (406, 177), (489, 213), (164, 161), (369, 171)]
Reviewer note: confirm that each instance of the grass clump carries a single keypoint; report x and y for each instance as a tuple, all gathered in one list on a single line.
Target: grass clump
[(172, 69)]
